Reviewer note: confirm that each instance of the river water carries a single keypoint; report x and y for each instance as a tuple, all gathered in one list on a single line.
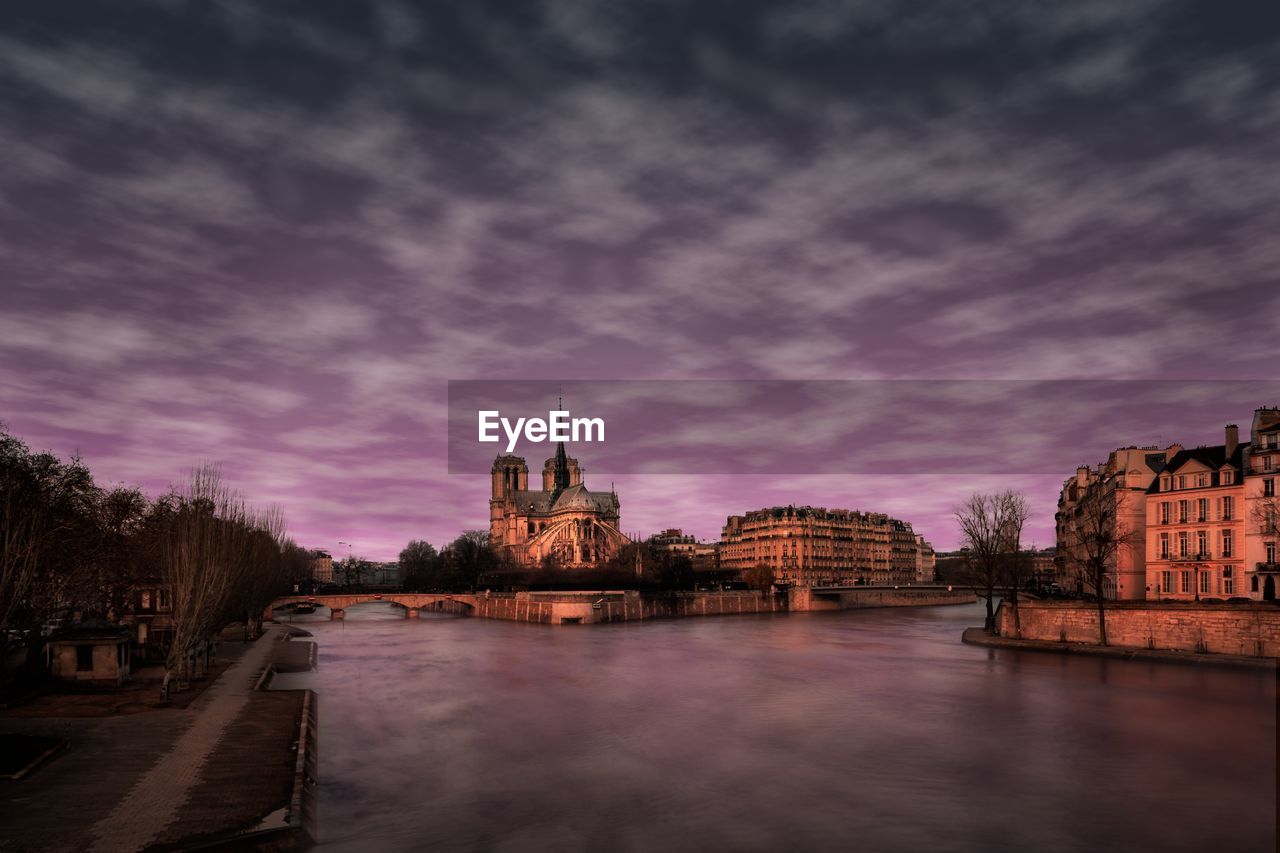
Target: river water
[(867, 730)]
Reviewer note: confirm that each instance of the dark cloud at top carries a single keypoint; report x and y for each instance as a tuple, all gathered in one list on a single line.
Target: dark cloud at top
[(281, 227)]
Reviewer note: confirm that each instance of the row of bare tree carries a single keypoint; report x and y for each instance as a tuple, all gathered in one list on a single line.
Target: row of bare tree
[(70, 550), (991, 528)]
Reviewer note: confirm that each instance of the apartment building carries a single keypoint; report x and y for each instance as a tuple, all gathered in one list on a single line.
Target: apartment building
[(1262, 506), (816, 546), (1196, 524), (1117, 489)]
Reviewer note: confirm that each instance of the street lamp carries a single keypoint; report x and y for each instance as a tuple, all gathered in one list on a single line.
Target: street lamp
[(348, 570)]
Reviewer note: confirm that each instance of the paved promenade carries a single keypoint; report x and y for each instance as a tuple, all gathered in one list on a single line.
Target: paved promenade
[(133, 781), (152, 804)]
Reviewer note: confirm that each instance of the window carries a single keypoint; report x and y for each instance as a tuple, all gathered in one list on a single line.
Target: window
[(1164, 484), (1166, 581), (1182, 544), (1182, 512), (1226, 543), (1202, 543), (1182, 481), (1271, 552), (1226, 478), (1228, 581), (1227, 508), (1267, 463), (1269, 488), (1202, 509), (1164, 513), (1204, 582), (1164, 546), (1186, 581), (1202, 480), (84, 658)]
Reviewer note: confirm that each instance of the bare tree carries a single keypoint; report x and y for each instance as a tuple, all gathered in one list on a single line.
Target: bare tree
[(200, 555), (1098, 538), (1012, 515), (1266, 516), (47, 536), (759, 576), (990, 525), (355, 571), (22, 529)]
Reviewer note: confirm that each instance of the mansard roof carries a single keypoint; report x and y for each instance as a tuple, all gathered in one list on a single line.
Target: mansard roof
[(1213, 457)]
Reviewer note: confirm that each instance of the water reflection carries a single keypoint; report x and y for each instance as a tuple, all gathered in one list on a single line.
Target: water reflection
[(873, 730)]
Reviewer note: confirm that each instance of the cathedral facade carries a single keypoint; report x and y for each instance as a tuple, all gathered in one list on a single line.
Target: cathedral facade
[(562, 521)]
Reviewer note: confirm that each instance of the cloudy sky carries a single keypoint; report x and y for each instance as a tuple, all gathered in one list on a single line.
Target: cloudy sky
[(269, 234)]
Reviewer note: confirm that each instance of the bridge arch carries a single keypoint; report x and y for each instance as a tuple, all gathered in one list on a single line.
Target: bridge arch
[(412, 603)]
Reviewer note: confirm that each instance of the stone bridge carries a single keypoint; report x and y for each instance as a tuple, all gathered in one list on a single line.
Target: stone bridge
[(583, 607), (412, 602)]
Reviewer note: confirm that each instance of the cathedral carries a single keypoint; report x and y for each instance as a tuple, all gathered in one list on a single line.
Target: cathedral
[(563, 520)]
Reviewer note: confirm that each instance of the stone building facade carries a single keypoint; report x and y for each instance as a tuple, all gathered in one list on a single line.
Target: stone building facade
[(562, 522), (926, 561), (1195, 524), (815, 546), (1117, 488), (1262, 506), (321, 567), (1204, 521)]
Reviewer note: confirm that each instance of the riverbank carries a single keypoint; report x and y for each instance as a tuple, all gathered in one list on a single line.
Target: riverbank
[(589, 607), (231, 770), (979, 637)]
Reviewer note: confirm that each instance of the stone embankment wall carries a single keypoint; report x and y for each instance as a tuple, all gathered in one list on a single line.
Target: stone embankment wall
[(630, 605), (855, 598), (621, 606), (627, 608), (1232, 629), (531, 607)]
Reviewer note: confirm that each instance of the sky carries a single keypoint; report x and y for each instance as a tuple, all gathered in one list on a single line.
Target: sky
[(269, 235)]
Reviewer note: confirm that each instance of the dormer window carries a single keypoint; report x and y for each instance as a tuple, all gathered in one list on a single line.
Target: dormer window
[(1226, 478)]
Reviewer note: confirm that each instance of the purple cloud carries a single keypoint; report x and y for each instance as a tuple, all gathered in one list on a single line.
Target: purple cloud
[(269, 237)]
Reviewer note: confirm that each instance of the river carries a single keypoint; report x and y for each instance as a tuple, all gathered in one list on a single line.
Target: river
[(867, 730)]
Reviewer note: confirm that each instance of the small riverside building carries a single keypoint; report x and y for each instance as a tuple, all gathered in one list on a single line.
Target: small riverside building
[(94, 652)]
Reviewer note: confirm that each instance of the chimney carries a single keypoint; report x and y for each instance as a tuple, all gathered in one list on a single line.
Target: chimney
[(1264, 418), (1233, 439)]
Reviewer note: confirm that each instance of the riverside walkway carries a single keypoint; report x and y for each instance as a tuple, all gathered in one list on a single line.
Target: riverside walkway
[(153, 803), (219, 766)]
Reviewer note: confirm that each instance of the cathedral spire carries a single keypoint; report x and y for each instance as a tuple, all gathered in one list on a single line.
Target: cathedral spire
[(561, 479)]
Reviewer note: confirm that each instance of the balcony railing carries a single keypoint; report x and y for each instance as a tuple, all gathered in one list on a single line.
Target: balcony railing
[(1269, 568)]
